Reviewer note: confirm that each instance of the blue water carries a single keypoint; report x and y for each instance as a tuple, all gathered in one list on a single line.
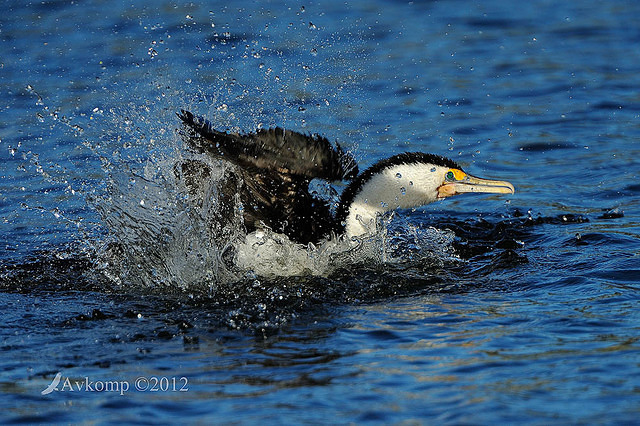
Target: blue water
[(480, 309)]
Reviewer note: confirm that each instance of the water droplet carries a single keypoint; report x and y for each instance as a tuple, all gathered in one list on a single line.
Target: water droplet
[(410, 183), (433, 169), (403, 190), (399, 175)]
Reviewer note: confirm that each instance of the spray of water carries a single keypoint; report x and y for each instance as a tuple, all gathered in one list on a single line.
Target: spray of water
[(154, 231)]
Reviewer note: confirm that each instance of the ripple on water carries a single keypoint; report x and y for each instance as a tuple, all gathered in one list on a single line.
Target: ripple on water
[(480, 314)]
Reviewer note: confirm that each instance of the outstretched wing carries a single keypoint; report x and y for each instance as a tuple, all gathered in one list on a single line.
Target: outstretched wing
[(276, 167), (279, 150)]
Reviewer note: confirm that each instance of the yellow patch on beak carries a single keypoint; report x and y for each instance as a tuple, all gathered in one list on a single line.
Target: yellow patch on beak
[(458, 174)]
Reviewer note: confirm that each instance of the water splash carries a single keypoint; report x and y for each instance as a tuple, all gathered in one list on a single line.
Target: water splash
[(156, 233)]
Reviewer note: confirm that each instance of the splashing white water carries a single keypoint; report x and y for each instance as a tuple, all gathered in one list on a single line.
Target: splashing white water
[(157, 233), (167, 235), (269, 254)]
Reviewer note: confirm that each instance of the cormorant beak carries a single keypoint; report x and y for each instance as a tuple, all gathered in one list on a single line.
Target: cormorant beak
[(469, 183)]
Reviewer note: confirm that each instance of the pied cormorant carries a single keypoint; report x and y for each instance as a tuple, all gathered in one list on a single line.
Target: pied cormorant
[(275, 167)]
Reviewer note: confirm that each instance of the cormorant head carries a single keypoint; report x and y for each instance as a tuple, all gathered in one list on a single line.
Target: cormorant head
[(405, 181)]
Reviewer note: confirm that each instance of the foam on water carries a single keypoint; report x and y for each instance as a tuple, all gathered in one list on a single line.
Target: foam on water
[(269, 254)]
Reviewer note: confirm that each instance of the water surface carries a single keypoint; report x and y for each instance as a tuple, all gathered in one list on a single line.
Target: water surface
[(478, 309)]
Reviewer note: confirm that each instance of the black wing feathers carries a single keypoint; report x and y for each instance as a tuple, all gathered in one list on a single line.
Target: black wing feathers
[(275, 167), (276, 149)]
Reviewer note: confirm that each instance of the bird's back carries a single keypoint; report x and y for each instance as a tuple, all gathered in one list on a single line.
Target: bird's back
[(285, 151), (276, 166)]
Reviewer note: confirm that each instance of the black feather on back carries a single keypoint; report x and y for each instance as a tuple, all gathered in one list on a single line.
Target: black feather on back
[(285, 151), (276, 167)]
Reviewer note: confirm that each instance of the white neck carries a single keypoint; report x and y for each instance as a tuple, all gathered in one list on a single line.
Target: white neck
[(396, 187)]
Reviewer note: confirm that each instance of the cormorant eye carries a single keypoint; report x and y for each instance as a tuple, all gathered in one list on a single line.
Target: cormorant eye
[(450, 175)]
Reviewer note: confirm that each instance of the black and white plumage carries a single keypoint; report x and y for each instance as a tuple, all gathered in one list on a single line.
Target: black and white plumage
[(275, 168)]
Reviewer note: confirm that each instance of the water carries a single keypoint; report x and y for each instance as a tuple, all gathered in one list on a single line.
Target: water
[(478, 309)]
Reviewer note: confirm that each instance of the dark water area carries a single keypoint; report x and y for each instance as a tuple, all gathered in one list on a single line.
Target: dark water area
[(477, 309)]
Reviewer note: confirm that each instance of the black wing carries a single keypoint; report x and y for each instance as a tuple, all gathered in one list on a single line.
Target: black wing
[(285, 151), (276, 167)]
